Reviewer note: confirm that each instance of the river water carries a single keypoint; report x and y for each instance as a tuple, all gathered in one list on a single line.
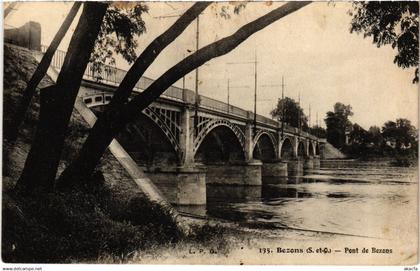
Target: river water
[(348, 197)]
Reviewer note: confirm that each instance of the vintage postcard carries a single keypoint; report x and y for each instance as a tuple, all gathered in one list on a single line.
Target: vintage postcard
[(239, 133)]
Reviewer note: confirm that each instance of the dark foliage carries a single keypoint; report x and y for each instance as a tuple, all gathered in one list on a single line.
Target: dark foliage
[(400, 133), (122, 25), (391, 23), (225, 10), (397, 140), (291, 113), (318, 131), (80, 224), (337, 123)]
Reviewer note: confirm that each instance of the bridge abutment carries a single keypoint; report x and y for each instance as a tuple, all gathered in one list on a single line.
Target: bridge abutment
[(181, 185)]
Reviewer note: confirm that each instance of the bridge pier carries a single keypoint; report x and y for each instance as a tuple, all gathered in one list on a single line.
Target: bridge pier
[(248, 142), (186, 137), (247, 173), (311, 162), (181, 185), (274, 172), (308, 163), (295, 167), (316, 161)]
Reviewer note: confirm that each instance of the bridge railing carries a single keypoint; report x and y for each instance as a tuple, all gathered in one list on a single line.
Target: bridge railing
[(268, 121), (114, 76), (237, 111), (214, 104)]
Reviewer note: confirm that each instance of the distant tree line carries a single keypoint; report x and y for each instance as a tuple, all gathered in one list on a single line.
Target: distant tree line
[(395, 138)]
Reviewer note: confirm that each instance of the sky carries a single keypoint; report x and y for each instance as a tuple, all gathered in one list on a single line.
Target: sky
[(312, 48)]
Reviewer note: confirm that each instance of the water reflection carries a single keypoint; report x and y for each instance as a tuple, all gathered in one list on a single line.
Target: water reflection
[(271, 192), (350, 197), (221, 201), (233, 193), (339, 195)]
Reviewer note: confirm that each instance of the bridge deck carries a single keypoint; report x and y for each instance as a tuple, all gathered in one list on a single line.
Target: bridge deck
[(113, 76)]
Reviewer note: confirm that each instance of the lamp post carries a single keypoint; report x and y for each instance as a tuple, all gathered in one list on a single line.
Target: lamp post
[(197, 39), (282, 99), (255, 87), (255, 94), (299, 114)]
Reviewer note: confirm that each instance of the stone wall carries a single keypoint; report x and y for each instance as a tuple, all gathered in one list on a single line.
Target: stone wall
[(181, 186)]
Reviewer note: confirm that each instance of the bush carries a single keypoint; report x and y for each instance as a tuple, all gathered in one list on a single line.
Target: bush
[(77, 224)]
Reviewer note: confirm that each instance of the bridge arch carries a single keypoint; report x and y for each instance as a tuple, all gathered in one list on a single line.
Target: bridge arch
[(287, 149), (167, 126), (264, 147), (311, 149), (148, 144), (301, 150), (219, 141)]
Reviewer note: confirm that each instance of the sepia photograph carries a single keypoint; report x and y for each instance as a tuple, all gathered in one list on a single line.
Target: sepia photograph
[(211, 133)]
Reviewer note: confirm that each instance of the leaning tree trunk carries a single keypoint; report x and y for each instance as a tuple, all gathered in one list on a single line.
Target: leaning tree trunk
[(151, 52), (57, 104), (12, 131), (9, 9), (75, 171), (107, 127)]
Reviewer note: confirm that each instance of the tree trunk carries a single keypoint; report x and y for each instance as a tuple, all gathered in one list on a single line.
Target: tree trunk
[(9, 9), (57, 104), (107, 127), (39, 73), (149, 54)]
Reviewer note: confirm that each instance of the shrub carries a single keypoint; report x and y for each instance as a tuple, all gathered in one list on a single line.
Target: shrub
[(77, 224)]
